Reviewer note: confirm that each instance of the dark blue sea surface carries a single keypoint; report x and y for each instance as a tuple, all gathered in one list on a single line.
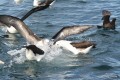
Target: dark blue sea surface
[(102, 63)]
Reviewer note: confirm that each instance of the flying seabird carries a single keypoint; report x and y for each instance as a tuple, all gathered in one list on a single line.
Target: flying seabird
[(43, 6), (30, 37), (107, 24), (75, 47)]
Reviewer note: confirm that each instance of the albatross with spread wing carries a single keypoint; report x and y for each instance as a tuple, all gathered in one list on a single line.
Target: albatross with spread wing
[(75, 47)]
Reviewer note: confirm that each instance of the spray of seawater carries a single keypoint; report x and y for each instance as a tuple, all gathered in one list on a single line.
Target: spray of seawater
[(51, 52), (18, 56)]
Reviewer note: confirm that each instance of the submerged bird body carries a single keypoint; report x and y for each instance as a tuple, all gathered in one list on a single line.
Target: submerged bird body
[(34, 53), (76, 47)]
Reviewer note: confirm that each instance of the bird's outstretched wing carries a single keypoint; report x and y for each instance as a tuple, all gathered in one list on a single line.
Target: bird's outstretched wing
[(42, 6), (70, 30), (21, 27)]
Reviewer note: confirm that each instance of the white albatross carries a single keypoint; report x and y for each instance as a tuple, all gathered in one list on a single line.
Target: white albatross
[(76, 47), (32, 39)]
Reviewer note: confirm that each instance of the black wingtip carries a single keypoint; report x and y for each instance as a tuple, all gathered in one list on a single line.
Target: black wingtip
[(35, 49), (41, 7)]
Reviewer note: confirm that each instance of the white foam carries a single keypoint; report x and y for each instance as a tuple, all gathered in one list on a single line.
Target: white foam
[(17, 55), (51, 51)]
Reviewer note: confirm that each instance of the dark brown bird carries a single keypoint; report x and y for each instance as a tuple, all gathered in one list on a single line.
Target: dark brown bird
[(107, 24)]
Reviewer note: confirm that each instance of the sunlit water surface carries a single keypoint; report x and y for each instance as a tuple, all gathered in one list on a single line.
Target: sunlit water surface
[(102, 63)]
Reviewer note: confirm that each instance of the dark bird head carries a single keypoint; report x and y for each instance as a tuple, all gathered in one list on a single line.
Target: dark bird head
[(106, 15), (35, 49), (106, 12)]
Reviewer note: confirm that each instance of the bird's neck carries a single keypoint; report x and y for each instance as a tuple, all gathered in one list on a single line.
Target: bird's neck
[(106, 20)]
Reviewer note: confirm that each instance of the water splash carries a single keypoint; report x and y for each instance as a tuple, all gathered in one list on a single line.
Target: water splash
[(18, 56), (51, 52)]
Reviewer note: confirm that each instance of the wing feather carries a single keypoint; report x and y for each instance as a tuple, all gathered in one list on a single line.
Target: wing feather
[(70, 30), (42, 6), (21, 27)]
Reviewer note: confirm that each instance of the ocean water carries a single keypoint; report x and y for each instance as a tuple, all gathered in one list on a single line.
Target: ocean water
[(102, 63)]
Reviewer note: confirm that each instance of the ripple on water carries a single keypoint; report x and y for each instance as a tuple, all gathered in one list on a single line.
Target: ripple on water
[(58, 63)]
